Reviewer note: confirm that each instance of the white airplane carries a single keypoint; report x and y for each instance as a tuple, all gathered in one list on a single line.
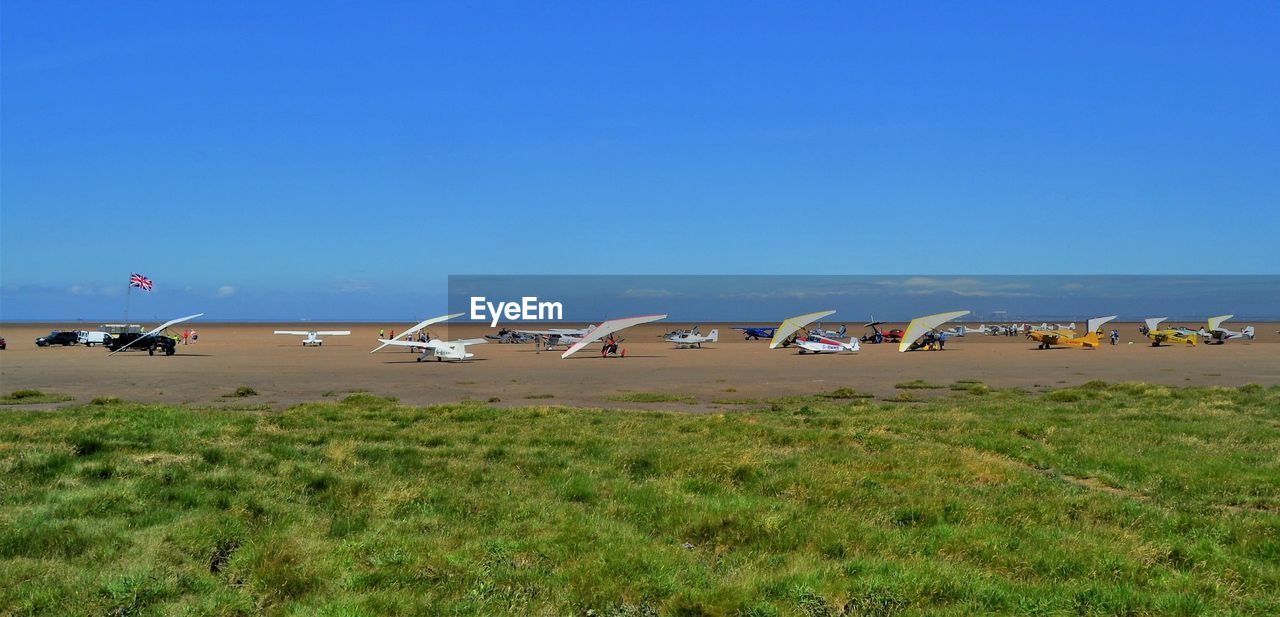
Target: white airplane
[(818, 330), (453, 351), (556, 337), (962, 330), (148, 339), (691, 338), (312, 337), (1057, 326), (419, 326), (605, 331), (822, 344), (1217, 335)]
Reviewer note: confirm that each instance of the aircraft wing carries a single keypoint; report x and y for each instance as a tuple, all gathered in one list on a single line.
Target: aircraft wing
[(607, 328), (333, 332), (293, 332), (791, 324), (920, 325), (400, 343), (470, 341), (1215, 323), (157, 330), (421, 325)]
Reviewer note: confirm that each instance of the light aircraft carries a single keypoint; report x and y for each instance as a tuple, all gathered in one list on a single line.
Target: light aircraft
[(312, 337), (1168, 335), (822, 344), (556, 337), (1057, 326), (151, 340), (510, 336), (691, 338), (879, 336), (818, 330), (756, 332), (962, 330), (605, 331), (453, 351), (1054, 338), (422, 324), (1215, 334), (791, 325), (920, 326)]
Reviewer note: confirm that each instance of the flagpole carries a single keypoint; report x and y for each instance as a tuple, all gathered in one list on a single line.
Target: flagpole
[(127, 294)]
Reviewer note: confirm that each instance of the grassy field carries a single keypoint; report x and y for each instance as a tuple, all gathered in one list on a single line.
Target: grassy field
[(1101, 499)]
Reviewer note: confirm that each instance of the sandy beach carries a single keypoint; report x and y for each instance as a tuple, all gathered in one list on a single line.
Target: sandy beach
[(725, 375)]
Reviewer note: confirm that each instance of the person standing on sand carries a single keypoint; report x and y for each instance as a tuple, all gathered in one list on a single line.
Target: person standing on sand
[(382, 333), (194, 337), (942, 340), (1115, 336), (185, 335)]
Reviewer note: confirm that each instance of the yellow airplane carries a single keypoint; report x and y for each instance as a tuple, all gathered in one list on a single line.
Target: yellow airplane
[(1067, 338), (1168, 335)]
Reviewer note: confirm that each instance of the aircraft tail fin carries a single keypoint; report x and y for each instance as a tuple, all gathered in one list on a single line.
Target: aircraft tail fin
[(714, 336), (1247, 332), (1090, 339)]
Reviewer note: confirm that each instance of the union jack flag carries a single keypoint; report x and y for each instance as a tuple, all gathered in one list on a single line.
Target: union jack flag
[(137, 280)]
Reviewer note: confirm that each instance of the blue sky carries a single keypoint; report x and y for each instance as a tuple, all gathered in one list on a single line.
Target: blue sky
[(341, 159)]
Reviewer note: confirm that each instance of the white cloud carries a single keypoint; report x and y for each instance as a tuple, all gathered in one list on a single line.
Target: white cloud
[(225, 291)]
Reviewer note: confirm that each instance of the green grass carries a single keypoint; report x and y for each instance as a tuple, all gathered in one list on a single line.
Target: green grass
[(846, 393), (1115, 499), (241, 392), (30, 397), (538, 396), (651, 397), (918, 384)]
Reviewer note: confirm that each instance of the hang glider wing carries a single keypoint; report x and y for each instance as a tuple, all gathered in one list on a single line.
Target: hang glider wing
[(920, 325), (790, 325), (607, 328), (1098, 322), (1215, 323), (157, 330), (421, 325), (1153, 323)]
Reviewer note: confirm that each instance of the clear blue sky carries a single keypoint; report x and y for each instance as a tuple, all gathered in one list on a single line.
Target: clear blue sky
[(264, 159)]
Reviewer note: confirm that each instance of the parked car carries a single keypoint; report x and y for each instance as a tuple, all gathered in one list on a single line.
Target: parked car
[(59, 337), (89, 338)]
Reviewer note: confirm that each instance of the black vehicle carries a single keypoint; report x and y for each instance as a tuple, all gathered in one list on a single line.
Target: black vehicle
[(64, 338), (149, 343)]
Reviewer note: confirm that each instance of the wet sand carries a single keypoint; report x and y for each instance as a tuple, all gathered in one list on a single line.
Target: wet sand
[(284, 372)]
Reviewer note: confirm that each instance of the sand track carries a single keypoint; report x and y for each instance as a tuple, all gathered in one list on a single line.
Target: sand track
[(284, 372)]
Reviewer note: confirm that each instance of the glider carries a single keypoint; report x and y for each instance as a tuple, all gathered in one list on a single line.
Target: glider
[(421, 325), (311, 337), (791, 325), (607, 328), (920, 325), (1050, 338), (148, 335)]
